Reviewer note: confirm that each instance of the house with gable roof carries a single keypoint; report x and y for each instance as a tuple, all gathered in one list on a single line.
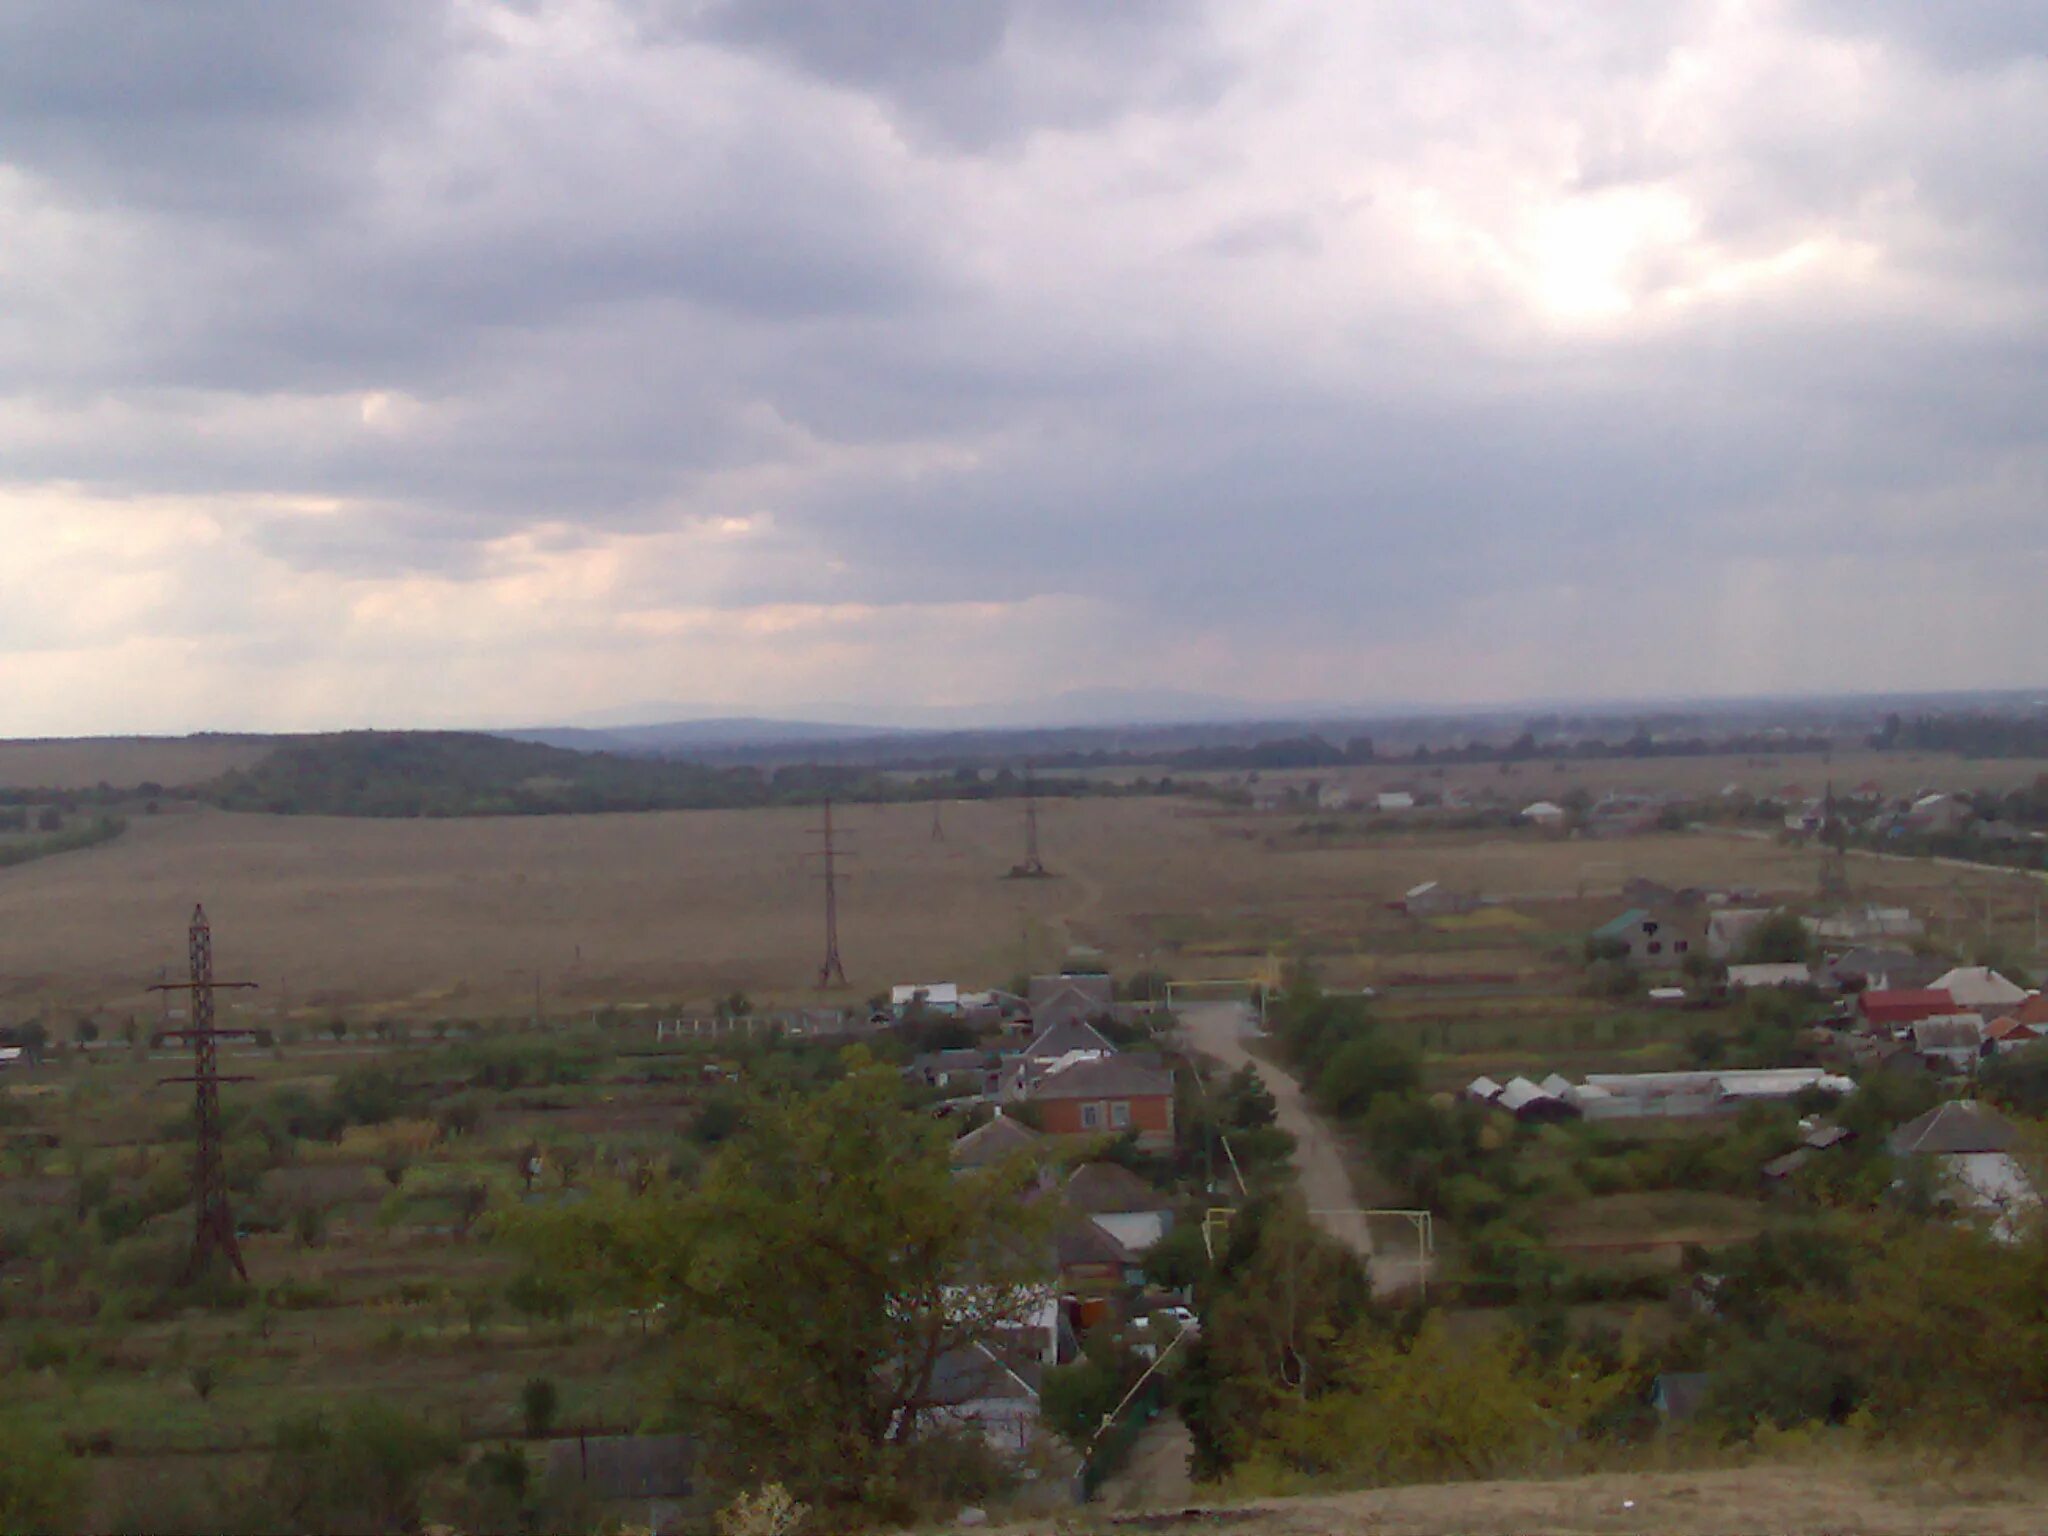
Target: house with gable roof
[(997, 1141), (1121, 1203), (1107, 1096), (1053, 1047), (1656, 939), (1069, 999), (1972, 1148)]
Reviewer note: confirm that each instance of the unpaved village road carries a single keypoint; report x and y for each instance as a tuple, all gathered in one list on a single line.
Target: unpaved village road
[(1218, 1030)]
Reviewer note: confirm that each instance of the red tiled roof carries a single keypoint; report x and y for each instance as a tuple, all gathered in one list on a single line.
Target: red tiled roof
[(2000, 1029), (2034, 1010)]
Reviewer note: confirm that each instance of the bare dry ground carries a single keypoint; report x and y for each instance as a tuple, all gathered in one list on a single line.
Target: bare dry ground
[(1870, 1499), (123, 761), (455, 917)]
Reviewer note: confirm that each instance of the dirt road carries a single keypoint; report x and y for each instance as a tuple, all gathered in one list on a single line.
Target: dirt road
[(1219, 1030)]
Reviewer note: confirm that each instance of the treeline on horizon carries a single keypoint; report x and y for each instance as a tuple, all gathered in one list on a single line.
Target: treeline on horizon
[(453, 773), (1316, 751), (1968, 735)]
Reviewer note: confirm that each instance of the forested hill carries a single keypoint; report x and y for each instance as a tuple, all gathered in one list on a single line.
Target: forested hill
[(456, 773)]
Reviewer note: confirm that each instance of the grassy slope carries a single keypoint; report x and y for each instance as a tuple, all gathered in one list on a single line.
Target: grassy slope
[(1887, 1497)]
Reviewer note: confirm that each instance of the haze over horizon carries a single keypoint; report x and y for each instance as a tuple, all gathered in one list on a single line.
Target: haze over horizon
[(463, 362)]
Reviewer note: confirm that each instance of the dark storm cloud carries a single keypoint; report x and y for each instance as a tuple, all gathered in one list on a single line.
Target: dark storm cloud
[(226, 108), (1015, 298)]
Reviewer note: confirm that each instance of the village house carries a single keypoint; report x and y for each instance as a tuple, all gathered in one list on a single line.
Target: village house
[(1432, 899), (1392, 800), (1089, 1259), (1873, 969), (1655, 940), (929, 996), (1333, 797), (1729, 928), (978, 1388), (1742, 978), (1935, 815), (1121, 1203), (961, 1071), (1891, 1009), (1862, 925), (1949, 1042), (1971, 1146), (1069, 999), (1053, 1047), (1978, 987), (2009, 1034), (1107, 1096), (1545, 814), (997, 1141)]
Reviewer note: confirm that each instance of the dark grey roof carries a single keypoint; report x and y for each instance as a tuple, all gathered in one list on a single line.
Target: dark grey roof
[(1901, 966), (975, 1373), (1790, 1163), (1948, 1034), (1112, 1189), (1002, 1137), (1961, 1125), (1080, 1241), (1096, 992), (1105, 1077)]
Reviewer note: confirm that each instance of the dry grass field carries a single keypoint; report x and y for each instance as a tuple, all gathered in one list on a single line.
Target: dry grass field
[(1895, 773), (453, 918), (123, 761)]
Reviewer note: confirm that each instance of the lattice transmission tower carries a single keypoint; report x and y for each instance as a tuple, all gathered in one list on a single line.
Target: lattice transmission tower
[(1834, 864), (1033, 867), (832, 972), (213, 1235)]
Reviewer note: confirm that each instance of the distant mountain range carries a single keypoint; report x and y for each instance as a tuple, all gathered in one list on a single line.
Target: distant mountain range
[(1123, 720), (684, 727)]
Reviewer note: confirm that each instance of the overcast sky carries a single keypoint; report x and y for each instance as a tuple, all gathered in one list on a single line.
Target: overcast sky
[(406, 362)]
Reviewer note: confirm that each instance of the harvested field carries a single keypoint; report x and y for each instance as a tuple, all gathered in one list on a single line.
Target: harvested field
[(124, 761), (453, 918)]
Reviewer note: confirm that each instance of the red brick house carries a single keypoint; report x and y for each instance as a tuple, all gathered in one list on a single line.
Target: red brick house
[(1106, 1096)]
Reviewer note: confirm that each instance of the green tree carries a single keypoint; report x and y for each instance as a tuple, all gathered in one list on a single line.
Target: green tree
[(42, 1486), (2018, 1079), (1247, 1103), (363, 1468), (538, 1400), (1780, 939), (1282, 1294), (824, 1267), (1432, 1409), (1363, 1068)]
